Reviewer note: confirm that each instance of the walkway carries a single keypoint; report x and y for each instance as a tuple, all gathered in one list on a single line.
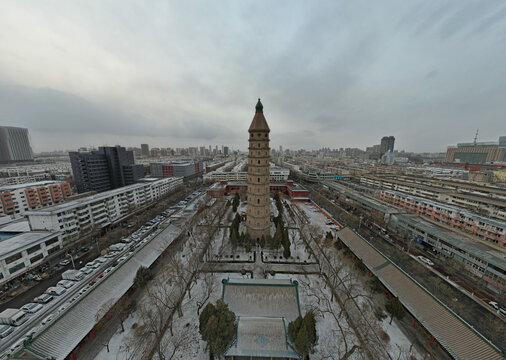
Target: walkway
[(447, 328)]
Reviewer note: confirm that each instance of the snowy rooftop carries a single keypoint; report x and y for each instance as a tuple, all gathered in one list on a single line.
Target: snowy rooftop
[(261, 337), (262, 297), (16, 226)]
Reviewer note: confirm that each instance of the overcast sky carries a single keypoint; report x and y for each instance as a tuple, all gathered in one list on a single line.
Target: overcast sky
[(188, 73)]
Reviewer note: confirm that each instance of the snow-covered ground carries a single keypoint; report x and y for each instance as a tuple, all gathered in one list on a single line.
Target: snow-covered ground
[(297, 250), (186, 341)]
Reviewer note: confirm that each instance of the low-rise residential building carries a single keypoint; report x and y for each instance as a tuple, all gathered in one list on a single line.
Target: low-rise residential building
[(277, 174), (17, 199), (24, 251), (490, 230), (492, 207), (80, 216), (481, 259), (176, 169)]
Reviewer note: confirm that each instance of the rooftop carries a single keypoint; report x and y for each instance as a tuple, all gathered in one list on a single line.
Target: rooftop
[(451, 331), (16, 243), (262, 297), (458, 241), (16, 226), (90, 199), (28, 185), (261, 337)]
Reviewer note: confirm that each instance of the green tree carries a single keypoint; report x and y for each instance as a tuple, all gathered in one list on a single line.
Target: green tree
[(234, 237), (309, 323), (302, 332), (394, 307), (247, 242), (286, 250), (142, 277), (209, 310), (217, 326), (236, 202), (262, 241), (278, 238), (294, 327)]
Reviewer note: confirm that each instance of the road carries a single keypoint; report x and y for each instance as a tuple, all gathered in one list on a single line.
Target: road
[(54, 306)]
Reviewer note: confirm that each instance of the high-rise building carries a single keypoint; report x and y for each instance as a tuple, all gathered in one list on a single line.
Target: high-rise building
[(145, 150), (258, 221), (225, 150), (14, 144), (478, 152), (387, 143), (105, 169)]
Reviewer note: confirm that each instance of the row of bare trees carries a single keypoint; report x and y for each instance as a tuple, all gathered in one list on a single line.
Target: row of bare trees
[(165, 296)]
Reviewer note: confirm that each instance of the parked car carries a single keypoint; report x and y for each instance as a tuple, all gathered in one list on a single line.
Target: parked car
[(43, 299), (87, 270), (5, 330), (48, 319), (66, 283), (55, 290), (31, 307), (92, 282), (85, 249), (425, 260), (64, 263), (101, 259)]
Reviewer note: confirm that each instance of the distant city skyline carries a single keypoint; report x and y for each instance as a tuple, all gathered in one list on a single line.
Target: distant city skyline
[(330, 74)]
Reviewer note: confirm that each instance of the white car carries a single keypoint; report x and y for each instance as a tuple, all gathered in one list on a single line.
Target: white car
[(48, 319), (32, 308), (101, 260), (66, 283), (425, 260), (56, 290), (87, 270), (64, 263), (15, 347)]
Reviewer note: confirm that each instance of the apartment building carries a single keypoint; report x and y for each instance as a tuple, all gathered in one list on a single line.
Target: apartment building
[(14, 144), (24, 251), (176, 169), (78, 217), (480, 204), (277, 174), (482, 260), (17, 199), (487, 229), (110, 167)]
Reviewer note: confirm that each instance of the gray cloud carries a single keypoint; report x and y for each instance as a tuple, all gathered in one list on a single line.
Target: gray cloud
[(331, 73)]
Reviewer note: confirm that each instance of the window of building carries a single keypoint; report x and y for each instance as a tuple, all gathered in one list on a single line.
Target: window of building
[(258, 201), (51, 241), (17, 267), (33, 249), (258, 179), (52, 250), (36, 258), (13, 258)]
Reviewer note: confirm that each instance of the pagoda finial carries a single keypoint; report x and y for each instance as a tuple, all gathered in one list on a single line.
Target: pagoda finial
[(259, 107)]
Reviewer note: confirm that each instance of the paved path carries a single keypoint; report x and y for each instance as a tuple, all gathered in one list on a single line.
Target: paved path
[(259, 269)]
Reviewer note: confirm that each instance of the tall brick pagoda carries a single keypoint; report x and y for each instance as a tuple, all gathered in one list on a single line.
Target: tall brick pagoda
[(258, 220)]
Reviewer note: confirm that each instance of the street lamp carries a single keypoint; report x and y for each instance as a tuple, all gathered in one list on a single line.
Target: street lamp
[(72, 259)]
